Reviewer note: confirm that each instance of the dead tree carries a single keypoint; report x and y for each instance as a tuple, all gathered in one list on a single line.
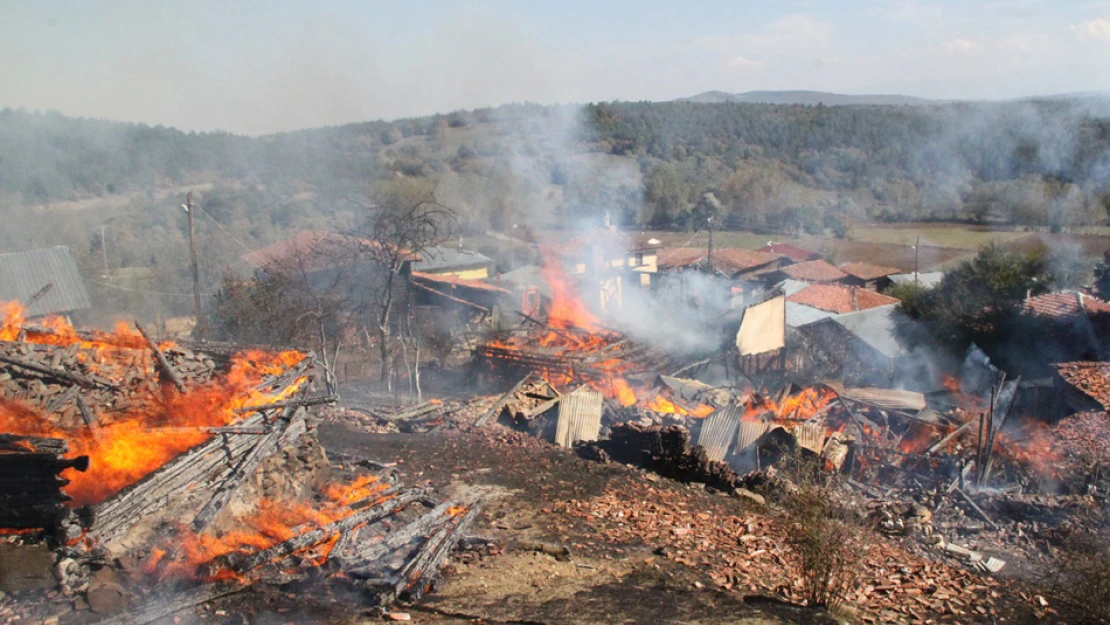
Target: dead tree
[(405, 219)]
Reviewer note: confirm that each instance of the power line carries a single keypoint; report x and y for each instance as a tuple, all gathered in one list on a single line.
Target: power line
[(221, 227)]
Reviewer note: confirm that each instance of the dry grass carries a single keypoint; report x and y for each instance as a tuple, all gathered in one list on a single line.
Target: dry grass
[(957, 236)]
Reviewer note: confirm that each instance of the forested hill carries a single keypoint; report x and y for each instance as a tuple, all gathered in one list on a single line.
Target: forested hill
[(774, 167)]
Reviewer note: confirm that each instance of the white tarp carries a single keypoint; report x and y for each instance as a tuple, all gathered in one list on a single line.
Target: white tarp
[(763, 328)]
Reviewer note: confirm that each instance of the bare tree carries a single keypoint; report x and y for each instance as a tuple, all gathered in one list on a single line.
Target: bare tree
[(304, 293), (404, 220)]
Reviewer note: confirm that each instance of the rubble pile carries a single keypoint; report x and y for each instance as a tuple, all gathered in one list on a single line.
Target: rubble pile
[(204, 476), (746, 553)]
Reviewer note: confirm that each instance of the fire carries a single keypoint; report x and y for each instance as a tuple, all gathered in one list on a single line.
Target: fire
[(270, 523), (125, 447), (567, 308)]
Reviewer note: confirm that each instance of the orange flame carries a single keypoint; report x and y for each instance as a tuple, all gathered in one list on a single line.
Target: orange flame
[(126, 446), (270, 523)]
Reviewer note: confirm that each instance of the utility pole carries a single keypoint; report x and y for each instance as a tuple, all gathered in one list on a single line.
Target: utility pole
[(197, 310), (709, 256), (916, 255), (104, 249)]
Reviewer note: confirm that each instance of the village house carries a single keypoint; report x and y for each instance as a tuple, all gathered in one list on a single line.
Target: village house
[(446, 260), (793, 252), (866, 275)]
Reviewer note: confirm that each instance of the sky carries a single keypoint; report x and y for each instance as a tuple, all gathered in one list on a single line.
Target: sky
[(258, 67)]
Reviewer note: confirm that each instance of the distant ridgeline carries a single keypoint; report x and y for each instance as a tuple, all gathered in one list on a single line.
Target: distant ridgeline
[(775, 167)]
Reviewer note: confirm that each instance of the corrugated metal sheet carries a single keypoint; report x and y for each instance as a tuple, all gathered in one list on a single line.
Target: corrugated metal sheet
[(810, 436), (719, 431), (799, 314), (890, 399), (750, 431), (22, 274), (579, 417)]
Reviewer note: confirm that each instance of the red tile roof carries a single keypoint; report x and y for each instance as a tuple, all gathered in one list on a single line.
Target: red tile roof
[(681, 257), (728, 261), (732, 261), (867, 271), (1065, 305), (814, 271), (312, 251), (456, 281), (1092, 378), (840, 299), (793, 252)]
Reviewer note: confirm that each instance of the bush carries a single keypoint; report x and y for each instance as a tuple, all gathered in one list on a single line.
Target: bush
[(825, 541)]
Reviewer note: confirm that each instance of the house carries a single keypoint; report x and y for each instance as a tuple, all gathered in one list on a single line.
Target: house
[(868, 276), (528, 292), (839, 299), (1064, 326), (452, 292), (793, 252), (604, 262), (808, 271), (861, 348), (732, 263), (1084, 386), (454, 261), (46, 281)]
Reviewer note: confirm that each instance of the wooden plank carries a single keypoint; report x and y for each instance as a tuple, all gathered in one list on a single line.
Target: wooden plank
[(161, 358), (579, 417)]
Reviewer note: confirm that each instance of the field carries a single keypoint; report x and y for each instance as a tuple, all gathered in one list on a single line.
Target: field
[(942, 245)]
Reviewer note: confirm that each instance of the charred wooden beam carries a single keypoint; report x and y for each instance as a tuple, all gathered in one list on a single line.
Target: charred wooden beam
[(362, 561), (495, 409), (14, 442), (262, 449), (417, 576), (161, 358), (388, 502), (291, 403), (198, 465), (58, 374), (86, 414)]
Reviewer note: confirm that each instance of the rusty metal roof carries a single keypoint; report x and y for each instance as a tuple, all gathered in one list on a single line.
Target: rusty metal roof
[(23, 274)]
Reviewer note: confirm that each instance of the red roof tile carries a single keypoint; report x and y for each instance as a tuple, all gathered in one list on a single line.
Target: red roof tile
[(1092, 378), (814, 271), (312, 251), (681, 257), (840, 299), (728, 261), (731, 261), (457, 281), (793, 252), (1063, 305), (867, 271)]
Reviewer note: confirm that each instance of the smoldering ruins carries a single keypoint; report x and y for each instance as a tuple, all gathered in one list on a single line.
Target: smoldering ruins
[(145, 479)]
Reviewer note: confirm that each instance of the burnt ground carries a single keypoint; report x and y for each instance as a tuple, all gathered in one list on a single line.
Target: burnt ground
[(519, 479), (539, 498)]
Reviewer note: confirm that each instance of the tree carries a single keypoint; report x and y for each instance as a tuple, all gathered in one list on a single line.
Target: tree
[(404, 219), (979, 300)]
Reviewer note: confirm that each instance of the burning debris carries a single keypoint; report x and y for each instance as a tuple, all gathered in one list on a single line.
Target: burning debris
[(196, 473)]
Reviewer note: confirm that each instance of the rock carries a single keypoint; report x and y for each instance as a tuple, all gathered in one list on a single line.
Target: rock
[(744, 493), (105, 594), (399, 616), (26, 567)]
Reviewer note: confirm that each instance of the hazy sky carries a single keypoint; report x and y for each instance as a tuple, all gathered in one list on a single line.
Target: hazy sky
[(265, 66)]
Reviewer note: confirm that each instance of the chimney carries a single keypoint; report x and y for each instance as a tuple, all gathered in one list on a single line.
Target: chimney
[(855, 304), (460, 243)]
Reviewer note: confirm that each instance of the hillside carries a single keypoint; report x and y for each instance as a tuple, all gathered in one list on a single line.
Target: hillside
[(774, 169), (806, 97)]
